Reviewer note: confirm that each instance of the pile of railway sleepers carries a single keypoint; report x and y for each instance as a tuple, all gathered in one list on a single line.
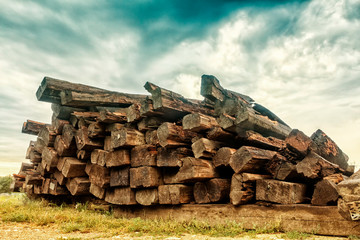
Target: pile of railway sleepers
[(163, 148)]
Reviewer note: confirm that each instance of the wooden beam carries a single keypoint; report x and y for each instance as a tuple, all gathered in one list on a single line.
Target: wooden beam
[(143, 155), (173, 103), (315, 167), (147, 197), (329, 150), (248, 119), (32, 127), (175, 194), (120, 176), (250, 159), (78, 186), (205, 148), (172, 135), (280, 192), (214, 190), (171, 157), (145, 177), (127, 137), (121, 196), (198, 122), (117, 158), (50, 89), (194, 170), (110, 99)]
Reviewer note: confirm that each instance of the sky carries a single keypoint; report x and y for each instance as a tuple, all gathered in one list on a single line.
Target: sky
[(300, 59)]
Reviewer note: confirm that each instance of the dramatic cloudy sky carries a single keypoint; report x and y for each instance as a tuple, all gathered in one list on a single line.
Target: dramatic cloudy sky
[(301, 59)]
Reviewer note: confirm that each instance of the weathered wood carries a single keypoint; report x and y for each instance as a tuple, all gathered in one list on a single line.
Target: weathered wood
[(63, 149), (50, 88), (58, 125), (299, 143), (143, 155), (325, 193), (96, 130), (50, 156), (47, 135), (73, 168), (64, 112), (218, 134), (171, 135), (280, 192), (88, 167), (170, 175), (349, 201), (205, 148), (175, 194), (151, 137), (251, 138), (35, 157), (68, 134), (194, 170), (88, 116), (100, 176), (211, 89), (98, 156), (45, 186), (329, 150), (168, 157), (247, 119), (145, 177), (83, 142), (223, 156), (149, 123), (198, 122), (214, 190), (313, 166), (60, 178), (30, 149), (120, 196), (32, 127), (174, 104), (242, 189), (335, 178), (61, 163), (33, 179), (56, 189), (147, 197), (111, 99), (250, 159), (119, 176), (282, 169), (120, 157), (97, 191), (127, 137), (78, 186), (118, 116), (108, 144), (133, 112), (227, 123)]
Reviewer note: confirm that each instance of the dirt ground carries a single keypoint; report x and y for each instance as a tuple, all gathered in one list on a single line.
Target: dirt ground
[(22, 231)]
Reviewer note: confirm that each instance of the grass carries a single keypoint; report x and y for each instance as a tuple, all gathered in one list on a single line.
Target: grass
[(67, 219), (5, 184)]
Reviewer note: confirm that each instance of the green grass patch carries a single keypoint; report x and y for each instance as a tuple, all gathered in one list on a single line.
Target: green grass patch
[(296, 235), (5, 184), (79, 218)]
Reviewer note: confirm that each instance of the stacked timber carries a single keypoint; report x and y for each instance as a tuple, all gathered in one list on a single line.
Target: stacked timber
[(163, 148)]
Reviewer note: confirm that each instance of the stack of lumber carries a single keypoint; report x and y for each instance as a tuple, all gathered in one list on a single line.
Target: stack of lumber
[(163, 148)]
